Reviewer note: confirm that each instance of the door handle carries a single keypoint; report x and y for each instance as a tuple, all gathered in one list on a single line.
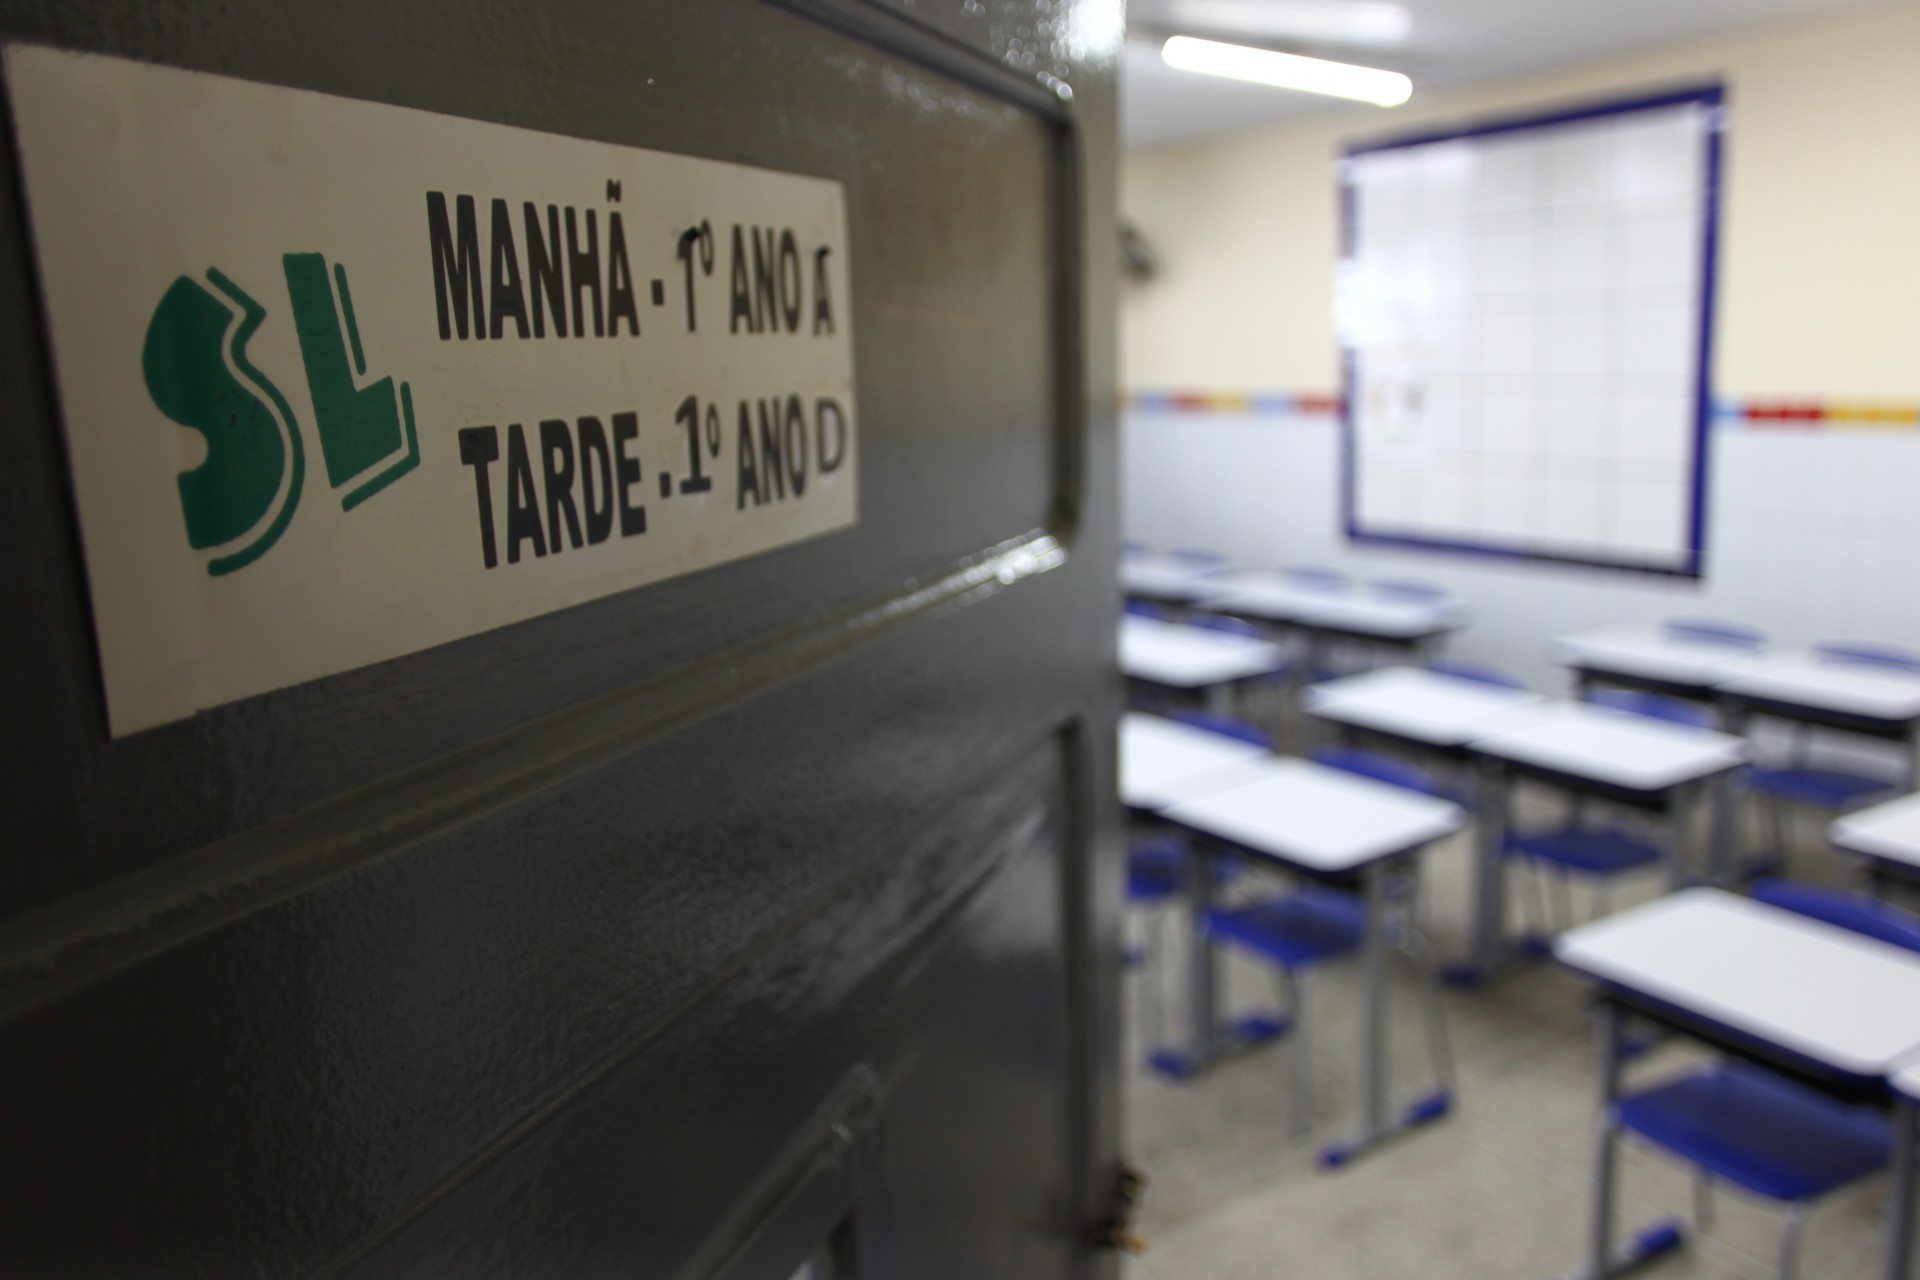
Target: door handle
[(1115, 1229)]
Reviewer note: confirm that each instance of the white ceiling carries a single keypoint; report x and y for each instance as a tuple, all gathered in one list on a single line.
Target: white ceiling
[(1437, 42)]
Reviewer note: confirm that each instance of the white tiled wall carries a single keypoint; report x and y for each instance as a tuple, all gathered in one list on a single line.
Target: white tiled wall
[(1810, 535)]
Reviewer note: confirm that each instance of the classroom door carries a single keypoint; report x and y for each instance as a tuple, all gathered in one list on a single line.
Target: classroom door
[(759, 920)]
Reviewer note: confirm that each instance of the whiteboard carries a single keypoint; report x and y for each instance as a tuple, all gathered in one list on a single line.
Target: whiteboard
[(1525, 314)]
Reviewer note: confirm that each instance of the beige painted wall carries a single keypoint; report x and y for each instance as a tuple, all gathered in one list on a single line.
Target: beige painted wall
[(1820, 245)]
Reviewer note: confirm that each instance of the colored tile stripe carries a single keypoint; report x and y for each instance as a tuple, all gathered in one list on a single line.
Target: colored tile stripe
[(1790, 415), (1260, 403), (1815, 415)]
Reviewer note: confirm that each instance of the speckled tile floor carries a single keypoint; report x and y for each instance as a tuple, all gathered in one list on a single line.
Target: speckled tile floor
[(1497, 1191)]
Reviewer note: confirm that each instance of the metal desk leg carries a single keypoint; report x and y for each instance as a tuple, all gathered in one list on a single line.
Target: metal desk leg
[(1606, 1041), (1316, 652), (1900, 1190), (1602, 1258), (1488, 930), (1220, 699), (1879, 884), (1375, 1125), (1679, 814), (1373, 1032), (1202, 976), (1723, 819), (1294, 714), (1913, 756), (1309, 672), (1722, 858), (1203, 965), (1207, 1041)]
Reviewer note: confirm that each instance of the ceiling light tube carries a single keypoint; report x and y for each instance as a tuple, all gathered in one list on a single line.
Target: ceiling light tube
[(1287, 70)]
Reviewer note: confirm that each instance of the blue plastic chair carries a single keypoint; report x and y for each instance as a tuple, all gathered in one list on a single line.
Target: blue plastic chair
[(1833, 790), (1410, 589), (1381, 768), (1858, 912), (1295, 933), (1830, 791), (1603, 854), (1747, 1126), (1225, 726), (1300, 929), (1871, 654), (1156, 866), (1310, 577), (1141, 609), (1478, 672), (1157, 869), (1654, 706), (1230, 626), (1734, 635)]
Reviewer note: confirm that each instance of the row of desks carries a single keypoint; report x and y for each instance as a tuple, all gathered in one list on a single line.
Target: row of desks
[(1344, 614), (1791, 683), (1448, 716), (1796, 684), (1589, 751), (1503, 734), (1323, 613), (1825, 1005)]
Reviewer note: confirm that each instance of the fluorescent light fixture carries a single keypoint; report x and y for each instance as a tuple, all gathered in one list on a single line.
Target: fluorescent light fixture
[(1370, 22), (1287, 70)]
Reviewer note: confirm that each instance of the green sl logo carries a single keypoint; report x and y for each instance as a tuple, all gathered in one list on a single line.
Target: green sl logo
[(239, 501)]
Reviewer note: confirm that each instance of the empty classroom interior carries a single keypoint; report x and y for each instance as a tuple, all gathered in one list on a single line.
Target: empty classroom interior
[(1521, 650)]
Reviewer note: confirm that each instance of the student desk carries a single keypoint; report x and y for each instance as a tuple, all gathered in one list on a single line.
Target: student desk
[(1592, 751), (1326, 825), (1424, 710), (1174, 656), (1648, 657), (1835, 1010), (1163, 761), (1326, 616), (1168, 578), (1802, 686), (1885, 836)]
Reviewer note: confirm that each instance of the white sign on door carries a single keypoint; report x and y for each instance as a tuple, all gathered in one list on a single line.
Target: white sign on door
[(342, 381)]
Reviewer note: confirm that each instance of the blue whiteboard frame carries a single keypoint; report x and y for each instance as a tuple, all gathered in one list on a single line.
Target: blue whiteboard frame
[(1711, 96)]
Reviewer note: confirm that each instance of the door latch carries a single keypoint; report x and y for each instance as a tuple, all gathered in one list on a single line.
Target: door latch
[(1115, 1229)]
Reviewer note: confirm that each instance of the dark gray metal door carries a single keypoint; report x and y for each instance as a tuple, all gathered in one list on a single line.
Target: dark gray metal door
[(685, 933)]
